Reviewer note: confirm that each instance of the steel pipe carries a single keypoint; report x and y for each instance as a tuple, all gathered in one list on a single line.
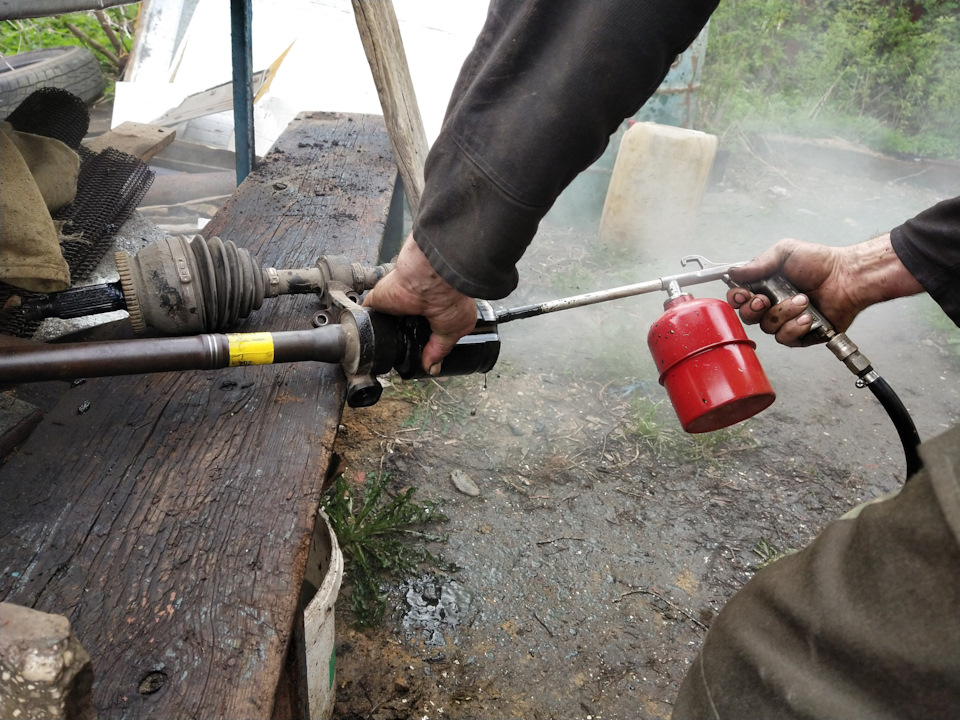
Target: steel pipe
[(29, 362)]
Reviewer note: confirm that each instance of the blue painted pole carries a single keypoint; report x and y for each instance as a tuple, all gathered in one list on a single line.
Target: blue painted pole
[(241, 12)]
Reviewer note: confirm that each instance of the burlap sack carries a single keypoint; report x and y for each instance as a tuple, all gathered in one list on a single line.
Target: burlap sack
[(53, 164), (30, 256)]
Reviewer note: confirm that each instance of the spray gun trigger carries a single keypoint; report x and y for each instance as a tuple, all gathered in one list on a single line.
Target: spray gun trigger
[(706, 264), (710, 269), (698, 259)]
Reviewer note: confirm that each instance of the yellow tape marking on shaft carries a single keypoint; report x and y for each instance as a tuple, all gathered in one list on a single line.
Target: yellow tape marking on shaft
[(250, 348)]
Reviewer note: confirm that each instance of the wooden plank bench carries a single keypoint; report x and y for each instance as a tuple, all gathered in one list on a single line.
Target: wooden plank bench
[(171, 521)]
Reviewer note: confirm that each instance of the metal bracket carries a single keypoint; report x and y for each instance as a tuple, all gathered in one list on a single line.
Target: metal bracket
[(371, 344)]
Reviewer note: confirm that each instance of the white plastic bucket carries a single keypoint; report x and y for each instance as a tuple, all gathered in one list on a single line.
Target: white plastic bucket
[(325, 572)]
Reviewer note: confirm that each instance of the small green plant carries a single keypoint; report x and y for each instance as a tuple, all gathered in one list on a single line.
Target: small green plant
[(768, 553), (380, 536), (663, 437), (645, 423)]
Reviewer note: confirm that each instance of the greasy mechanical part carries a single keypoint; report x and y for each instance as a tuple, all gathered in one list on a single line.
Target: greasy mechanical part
[(77, 302), (365, 343), (182, 287), (475, 353), (363, 391), (178, 286), (338, 271), (322, 317), (34, 362), (379, 342), (370, 349)]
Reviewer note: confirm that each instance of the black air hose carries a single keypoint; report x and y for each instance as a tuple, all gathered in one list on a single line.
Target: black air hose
[(902, 421)]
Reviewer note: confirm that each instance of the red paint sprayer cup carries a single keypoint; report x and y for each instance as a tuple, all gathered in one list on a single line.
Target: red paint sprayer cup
[(707, 364)]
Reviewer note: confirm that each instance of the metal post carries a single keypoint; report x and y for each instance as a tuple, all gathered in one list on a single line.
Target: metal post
[(241, 12)]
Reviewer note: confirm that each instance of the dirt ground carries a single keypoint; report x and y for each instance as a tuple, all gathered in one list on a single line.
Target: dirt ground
[(603, 539)]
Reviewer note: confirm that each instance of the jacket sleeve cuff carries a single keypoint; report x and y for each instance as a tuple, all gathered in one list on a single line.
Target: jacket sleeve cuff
[(929, 246)]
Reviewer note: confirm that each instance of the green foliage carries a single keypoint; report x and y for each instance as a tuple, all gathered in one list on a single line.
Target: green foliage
[(886, 74), (380, 536), (22, 35)]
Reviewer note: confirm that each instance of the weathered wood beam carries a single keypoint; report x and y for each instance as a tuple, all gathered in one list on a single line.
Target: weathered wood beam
[(380, 34), (17, 420), (138, 139)]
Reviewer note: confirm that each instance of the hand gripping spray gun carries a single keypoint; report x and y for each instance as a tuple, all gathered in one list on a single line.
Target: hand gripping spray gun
[(178, 287), (779, 289)]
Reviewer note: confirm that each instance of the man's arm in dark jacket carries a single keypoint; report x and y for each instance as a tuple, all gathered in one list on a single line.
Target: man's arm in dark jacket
[(536, 102), (545, 86), (929, 246)]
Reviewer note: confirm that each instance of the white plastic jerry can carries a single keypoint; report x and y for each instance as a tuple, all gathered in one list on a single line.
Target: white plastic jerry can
[(655, 189)]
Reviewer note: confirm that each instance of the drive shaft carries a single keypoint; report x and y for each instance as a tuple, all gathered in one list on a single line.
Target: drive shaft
[(32, 362)]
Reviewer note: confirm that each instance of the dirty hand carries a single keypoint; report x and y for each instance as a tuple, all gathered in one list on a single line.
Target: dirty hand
[(414, 288), (840, 281)]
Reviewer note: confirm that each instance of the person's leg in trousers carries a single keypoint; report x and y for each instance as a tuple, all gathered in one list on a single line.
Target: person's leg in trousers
[(863, 623)]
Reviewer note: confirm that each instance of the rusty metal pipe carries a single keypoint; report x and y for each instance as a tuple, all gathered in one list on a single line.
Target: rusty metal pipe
[(26, 362)]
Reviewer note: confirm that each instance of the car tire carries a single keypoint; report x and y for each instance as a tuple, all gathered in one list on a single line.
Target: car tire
[(70, 68)]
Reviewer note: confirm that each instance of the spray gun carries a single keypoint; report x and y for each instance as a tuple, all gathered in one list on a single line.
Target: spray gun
[(707, 363)]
